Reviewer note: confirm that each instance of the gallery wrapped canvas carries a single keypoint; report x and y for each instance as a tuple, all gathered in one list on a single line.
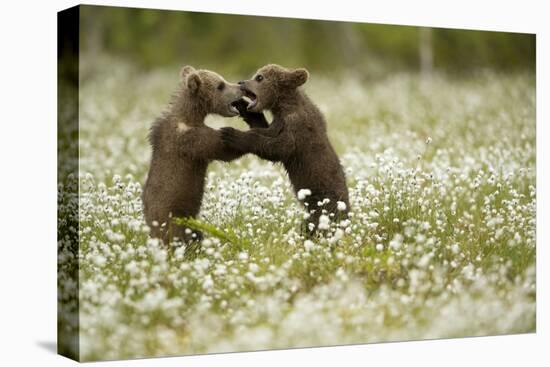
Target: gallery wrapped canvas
[(234, 183)]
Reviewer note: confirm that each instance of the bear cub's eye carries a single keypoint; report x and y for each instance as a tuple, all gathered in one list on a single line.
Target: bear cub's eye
[(221, 86), (259, 78)]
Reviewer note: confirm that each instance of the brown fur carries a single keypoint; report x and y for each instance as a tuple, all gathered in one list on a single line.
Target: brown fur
[(183, 146), (297, 137)]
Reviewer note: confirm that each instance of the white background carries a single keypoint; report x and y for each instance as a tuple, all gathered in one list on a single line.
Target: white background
[(28, 182)]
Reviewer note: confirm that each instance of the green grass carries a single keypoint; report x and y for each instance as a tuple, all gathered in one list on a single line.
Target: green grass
[(440, 243)]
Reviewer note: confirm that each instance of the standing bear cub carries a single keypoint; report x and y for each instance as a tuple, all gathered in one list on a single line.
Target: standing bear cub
[(297, 137), (183, 146)]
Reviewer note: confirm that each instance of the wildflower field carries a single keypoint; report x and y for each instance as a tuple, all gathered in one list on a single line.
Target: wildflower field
[(440, 241)]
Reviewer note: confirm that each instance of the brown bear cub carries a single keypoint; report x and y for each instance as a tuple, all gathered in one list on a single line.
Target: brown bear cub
[(183, 146), (297, 138)]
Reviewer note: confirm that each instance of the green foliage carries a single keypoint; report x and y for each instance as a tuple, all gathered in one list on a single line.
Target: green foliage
[(239, 44), (225, 235)]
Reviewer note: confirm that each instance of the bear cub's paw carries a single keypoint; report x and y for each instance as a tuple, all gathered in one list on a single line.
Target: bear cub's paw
[(253, 119), (241, 105), (233, 138)]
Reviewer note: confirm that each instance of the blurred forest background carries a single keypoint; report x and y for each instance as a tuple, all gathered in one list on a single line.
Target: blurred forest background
[(236, 44)]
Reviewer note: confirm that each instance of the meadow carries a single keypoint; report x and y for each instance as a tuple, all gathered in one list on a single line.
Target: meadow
[(440, 241)]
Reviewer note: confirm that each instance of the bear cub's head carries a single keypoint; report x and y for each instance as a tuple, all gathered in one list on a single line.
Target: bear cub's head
[(270, 82), (211, 91)]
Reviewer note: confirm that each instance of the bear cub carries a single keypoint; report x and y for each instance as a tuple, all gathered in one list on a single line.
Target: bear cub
[(297, 137), (182, 147)]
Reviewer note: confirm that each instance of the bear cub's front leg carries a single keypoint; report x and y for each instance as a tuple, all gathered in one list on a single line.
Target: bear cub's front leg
[(236, 139)]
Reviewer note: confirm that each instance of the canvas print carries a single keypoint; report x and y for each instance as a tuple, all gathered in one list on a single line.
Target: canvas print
[(232, 183)]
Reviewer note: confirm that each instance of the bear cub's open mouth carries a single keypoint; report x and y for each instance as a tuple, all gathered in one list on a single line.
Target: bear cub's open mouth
[(245, 103), (234, 106), (250, 98)]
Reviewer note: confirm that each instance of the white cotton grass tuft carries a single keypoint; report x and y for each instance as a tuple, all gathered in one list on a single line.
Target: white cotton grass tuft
[(324, 222), (341, 206), (309, 245), (303, 193)]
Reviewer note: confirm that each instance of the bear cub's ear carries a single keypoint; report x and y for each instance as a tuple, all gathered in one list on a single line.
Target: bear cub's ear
[(193, 82), (186, 70), (296, 77)]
